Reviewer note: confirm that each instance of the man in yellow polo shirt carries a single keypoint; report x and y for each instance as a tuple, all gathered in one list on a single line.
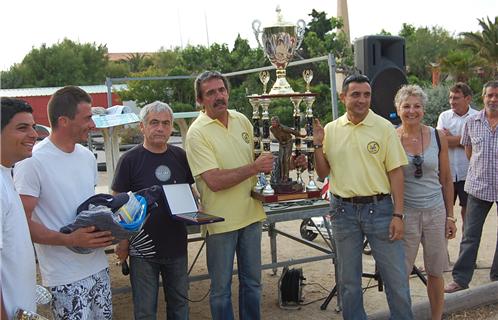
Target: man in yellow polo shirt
[(363, 156), (219, 147)]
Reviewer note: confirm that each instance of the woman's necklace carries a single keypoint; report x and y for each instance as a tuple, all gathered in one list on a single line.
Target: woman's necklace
[(414, 140)]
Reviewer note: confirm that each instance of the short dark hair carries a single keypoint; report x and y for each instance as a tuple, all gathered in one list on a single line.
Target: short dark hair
[(10, 107), (64, 102), (461, 87), (355, 77), (205, 76), (489, 84)]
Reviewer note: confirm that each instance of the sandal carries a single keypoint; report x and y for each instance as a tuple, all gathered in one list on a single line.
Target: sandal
[(453, 287)]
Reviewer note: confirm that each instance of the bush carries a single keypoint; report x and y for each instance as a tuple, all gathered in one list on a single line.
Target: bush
[(438, 102)]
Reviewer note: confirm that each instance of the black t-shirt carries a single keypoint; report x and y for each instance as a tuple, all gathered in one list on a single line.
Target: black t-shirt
[(161, 236)]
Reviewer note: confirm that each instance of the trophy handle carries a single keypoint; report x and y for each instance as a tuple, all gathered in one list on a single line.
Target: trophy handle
[(301, 28), (255, 27)]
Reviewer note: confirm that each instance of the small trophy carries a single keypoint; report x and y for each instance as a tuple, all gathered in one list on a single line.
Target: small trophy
[(308, 76), (264, 77)]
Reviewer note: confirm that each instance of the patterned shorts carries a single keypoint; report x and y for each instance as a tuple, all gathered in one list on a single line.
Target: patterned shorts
[(89, 298)]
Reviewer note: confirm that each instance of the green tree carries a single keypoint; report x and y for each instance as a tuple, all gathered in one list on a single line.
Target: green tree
[(64, 63), (116, 69), (484, 43), (425, 45), (166, 60)]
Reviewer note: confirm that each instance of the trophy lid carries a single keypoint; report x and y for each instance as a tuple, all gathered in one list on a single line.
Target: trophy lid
[(280, 19)]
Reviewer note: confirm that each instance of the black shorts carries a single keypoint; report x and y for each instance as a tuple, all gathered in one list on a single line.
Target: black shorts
[(458, 191)]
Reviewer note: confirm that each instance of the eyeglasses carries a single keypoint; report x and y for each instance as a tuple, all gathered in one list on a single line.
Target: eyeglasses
[(355, 78), (417, 162)]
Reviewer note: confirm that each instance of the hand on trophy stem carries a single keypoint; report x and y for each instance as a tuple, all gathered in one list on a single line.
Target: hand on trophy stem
[(264, 163), (318, 132)]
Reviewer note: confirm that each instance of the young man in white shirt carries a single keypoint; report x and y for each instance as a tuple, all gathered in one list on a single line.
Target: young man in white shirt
[(17, 258), (52, 184)]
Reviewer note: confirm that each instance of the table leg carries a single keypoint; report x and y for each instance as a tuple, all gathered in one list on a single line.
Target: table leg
[(273, 245)]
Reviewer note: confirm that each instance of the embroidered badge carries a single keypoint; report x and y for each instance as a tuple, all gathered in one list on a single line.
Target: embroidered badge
[(163, 173), (245, 136), (373, 147)]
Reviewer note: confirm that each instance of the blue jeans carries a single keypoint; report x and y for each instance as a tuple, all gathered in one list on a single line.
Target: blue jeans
[(221, 249), (144, 278), (463, 270), (350, 224)]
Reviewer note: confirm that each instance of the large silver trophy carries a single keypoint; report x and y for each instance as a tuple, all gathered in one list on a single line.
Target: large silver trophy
[(279, 43)]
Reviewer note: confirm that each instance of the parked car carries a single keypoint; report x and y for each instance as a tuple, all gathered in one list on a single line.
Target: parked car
[(42, 131)]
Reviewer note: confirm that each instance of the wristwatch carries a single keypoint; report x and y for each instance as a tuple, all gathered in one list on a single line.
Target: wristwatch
[(399, 215)]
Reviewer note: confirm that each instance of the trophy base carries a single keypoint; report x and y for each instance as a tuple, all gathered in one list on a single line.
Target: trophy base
[(278, 197), (288, 187), (281, 86)]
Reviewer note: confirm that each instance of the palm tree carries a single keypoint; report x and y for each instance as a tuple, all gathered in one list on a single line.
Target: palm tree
[(485, 43), (461, 64), (136, 61)]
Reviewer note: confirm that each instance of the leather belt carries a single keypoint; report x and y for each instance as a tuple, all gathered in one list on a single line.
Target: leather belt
[(364, 199)]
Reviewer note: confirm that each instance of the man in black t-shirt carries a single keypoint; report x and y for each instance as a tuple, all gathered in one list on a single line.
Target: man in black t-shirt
[(161, 246)]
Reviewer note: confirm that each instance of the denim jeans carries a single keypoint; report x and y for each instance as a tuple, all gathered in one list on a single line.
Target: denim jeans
[(221, 249), (144, 277), (463, 270), (350, 224)]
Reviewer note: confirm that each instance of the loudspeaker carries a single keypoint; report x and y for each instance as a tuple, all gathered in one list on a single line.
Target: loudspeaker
[(382, 60)]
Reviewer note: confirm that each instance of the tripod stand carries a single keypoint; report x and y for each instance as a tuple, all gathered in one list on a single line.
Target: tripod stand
[(376, 276), (335, 291)]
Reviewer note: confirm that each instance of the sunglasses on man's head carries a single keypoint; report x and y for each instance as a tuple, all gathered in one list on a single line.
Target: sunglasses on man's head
[(417, 162)]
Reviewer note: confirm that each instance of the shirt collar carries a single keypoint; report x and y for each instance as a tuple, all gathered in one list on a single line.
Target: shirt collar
[(454, 114), (205, 120), (368, 121), (480, 116)]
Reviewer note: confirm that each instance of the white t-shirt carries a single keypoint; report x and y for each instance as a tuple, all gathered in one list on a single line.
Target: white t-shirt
[(17, 258), (61, 181), (451, 121)]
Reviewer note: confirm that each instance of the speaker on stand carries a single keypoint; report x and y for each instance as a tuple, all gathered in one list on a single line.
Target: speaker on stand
[(382, 60)]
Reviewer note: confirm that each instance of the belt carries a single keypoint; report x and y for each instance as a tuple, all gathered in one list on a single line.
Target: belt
[(365, 199)]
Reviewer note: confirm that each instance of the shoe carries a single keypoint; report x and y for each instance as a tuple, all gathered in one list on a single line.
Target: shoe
[(453, 287)]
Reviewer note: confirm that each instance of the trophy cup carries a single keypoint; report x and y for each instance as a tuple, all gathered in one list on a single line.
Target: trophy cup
[(264, 77), (308, 76), (280, 42)]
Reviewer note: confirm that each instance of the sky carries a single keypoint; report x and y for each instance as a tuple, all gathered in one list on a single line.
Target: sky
[(148, 25)]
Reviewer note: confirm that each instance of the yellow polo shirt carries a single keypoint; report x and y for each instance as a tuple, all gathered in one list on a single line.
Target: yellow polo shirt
[(361, 155), (210, 145)]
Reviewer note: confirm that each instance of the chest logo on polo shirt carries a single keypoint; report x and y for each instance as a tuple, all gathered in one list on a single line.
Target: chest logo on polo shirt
[(245, 136), (163, 173), (373, 147)]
